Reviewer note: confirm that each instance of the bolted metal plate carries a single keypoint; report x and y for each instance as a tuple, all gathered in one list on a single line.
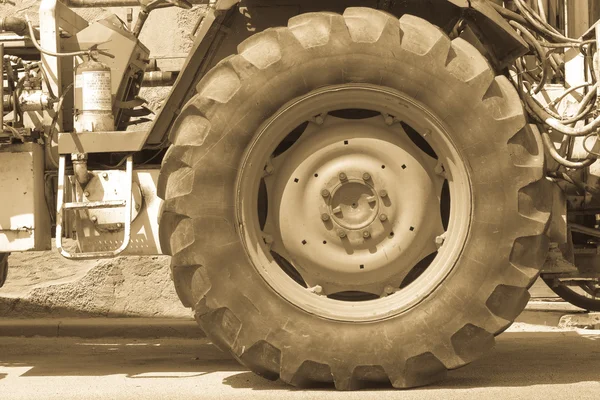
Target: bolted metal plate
[(367, 233), (105, 186)]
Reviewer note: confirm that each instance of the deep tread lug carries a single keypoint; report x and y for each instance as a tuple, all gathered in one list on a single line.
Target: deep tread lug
[(471, 342), (508, 301), (264, 359), (420, 370)]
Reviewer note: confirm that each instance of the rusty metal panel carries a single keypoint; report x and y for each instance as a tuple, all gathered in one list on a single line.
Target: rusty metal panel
[(24, 217)]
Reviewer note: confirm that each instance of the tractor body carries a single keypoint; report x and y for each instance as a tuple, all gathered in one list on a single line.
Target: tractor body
[(85, 161)]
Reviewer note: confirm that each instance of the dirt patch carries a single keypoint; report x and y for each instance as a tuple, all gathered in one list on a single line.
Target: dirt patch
[(43, 284)]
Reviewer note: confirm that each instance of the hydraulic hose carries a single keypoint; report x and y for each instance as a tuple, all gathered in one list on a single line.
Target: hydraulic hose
[(542, 27), (113, 3), (546, 56), (506, 13), (567, 92), (51, 53), (560, 159), (542, 54), (559, 125)]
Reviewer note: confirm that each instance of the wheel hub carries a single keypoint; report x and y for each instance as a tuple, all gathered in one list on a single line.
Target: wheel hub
[(353, 204), (335, 208), (336, 199)]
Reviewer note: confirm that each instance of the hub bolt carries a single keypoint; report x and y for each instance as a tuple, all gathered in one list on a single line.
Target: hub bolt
[(105, 175), (86, 193), (383, 217), (316, 290), (341, 233), (388, 290), (342, 176), (325, 217), (366, 176), (325, 193), (439, 240), (383, 193), (94, 219), (366, 234)]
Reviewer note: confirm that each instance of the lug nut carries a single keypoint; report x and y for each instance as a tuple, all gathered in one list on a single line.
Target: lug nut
[(383, 217), (383, 193), (366, 234), (86, 193), (94, 219), (341, 233), (325, 193), (366, 176), (105, 175), (119, 225), (439, 240), (342, 176), (316, 290), (325, 217)]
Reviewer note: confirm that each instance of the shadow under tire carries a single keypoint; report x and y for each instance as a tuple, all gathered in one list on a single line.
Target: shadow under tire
[(199, 226)]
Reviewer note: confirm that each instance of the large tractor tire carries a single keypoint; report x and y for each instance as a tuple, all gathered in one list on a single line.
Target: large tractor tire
[(354, 199), (3, 268)]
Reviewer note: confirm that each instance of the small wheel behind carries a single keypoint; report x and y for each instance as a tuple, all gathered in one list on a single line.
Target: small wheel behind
[(582, 294)]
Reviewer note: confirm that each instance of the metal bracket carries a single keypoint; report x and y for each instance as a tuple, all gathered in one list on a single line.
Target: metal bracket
[(63, 207), (190, 71), (101, 142)]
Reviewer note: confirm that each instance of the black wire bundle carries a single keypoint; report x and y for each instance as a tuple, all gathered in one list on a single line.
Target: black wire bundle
[(544, 42)]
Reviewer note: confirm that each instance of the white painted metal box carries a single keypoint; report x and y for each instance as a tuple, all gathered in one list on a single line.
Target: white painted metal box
[(24, 216)]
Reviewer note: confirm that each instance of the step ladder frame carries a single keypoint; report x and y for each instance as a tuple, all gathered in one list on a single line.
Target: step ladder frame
[(62, 207)]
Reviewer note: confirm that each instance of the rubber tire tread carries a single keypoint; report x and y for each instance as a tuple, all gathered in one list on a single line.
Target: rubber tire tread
[(502, 256), (3, 268)]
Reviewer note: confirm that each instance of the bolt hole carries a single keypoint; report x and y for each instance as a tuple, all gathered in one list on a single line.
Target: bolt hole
[(316, 175), (296, 180), (362, 266), (383, 167), (412, 228), (392, 234), (304, 242), (403, 166), (324, 241), (345, 142)]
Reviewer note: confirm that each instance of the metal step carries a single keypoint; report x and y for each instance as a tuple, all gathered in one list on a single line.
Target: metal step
[(78, 206)]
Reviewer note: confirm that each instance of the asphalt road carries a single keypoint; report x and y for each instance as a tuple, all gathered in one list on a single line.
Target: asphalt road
[(524, 365)]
